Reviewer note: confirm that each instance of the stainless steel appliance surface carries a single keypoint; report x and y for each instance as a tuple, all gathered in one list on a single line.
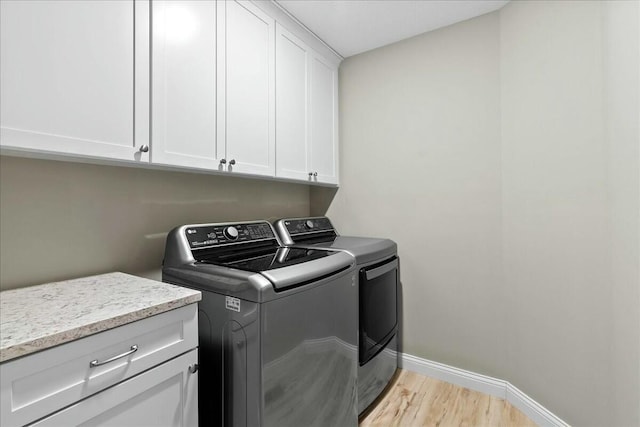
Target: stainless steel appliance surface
[(278, 336), (378, 277)]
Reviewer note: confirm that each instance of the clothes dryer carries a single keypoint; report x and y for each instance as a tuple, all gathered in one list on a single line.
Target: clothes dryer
[(378, 277)]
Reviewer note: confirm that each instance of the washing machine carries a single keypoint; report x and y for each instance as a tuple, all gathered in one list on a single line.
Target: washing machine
[(378, 277), (277, 332)]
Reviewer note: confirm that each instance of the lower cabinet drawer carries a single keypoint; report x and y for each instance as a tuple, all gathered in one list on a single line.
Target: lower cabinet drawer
[(42, 383), (166, 395)]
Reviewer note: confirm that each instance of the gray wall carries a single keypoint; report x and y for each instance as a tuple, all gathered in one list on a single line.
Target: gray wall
[(501, 154), (555, 216), (63, 220), (420, 141), (622, 131), (570, 116)]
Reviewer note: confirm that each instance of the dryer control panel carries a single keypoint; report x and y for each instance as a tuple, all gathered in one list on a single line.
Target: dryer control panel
[(305, 230), (306, 225)]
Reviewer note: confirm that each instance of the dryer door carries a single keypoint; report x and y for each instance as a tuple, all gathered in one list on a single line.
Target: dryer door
[(378, 307)]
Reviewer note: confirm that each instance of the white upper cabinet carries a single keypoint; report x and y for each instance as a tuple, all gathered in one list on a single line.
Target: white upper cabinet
[(214, 85), (246, 88), (292, 105), (323, 156), (306, 112), (184, 84), (75, 77)]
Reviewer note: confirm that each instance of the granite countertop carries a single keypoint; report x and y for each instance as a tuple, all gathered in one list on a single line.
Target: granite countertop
[(38, 317)]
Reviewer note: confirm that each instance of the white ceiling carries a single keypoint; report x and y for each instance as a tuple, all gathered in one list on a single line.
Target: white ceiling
[(354, 26)]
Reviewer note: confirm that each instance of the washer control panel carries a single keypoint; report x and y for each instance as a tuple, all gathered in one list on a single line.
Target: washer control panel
[(203, 236)]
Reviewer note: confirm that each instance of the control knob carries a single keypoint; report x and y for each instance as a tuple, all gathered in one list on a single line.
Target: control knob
[(231, 233), (309, 224)]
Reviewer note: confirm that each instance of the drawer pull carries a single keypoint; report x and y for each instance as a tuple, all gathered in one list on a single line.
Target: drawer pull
[(95, 363)]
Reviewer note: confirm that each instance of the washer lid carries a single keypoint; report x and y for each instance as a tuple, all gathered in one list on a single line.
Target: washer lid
[(245, 259), (262, 259)]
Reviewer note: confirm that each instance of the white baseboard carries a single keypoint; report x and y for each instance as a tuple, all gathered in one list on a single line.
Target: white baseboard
[(468, 379), (532, 409), (484, 384)]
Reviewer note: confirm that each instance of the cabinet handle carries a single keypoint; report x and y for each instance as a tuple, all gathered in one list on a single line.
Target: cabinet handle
[(194, 368), (144, 148), (232, 162), (223, 161), (310, 174), (315, 174), (95, 363)]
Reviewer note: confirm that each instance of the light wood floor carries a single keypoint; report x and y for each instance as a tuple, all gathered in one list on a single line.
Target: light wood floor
[(416, 400)]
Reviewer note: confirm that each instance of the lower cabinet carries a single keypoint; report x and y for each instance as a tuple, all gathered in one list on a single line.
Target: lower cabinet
[(166, 395), (143, 373)]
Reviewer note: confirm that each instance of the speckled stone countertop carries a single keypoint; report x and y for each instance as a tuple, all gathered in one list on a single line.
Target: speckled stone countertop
[(38, 317)]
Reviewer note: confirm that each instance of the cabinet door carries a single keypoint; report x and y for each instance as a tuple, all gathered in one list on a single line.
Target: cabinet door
[(292, 105), (75, 77), (165, 395), (323, 153), (184, 84), (41, 383), (246, 117)]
